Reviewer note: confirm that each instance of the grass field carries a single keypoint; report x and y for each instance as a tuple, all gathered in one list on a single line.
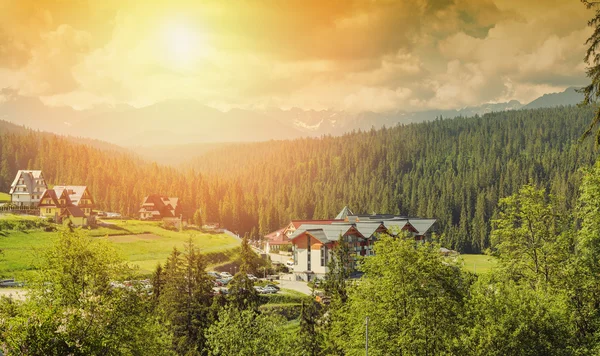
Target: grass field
[(477, 263), (4, 197), (144, 244)]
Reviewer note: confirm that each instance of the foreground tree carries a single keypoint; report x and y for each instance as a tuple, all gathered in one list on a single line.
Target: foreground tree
[(583, 281), (186, 300), (242, 294), (311, 336), (504, 317), (74, 309), (531, 240), (248, 333), (592, 59), (413, 304)]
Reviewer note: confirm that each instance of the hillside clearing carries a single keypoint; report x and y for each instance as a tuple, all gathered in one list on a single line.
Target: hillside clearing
[(476, 263), (144, 244)]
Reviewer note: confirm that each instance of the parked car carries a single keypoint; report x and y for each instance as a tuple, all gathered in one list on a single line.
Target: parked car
[(290, 263), (226, 275), (214, 275), (223, 281), (259, 289), (252, 277), (269, 290), (220, 290), (273, 286)]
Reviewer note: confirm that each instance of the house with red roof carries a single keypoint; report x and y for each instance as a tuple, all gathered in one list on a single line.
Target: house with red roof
[(161, 207)]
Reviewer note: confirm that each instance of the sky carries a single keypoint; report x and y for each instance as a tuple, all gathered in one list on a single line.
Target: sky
[(354, 55)]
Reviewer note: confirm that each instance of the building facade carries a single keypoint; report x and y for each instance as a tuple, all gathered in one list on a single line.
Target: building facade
[(27, 188), (74, 203), (313, 241), (160, 207)]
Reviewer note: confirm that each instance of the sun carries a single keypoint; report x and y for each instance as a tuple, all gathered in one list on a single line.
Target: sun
[(184, 45)]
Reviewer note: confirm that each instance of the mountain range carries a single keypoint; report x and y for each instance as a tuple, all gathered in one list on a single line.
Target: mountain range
[(188, 122)]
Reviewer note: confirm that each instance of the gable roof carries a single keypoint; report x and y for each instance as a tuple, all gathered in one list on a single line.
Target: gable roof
[(73, 211), (325, 233), (276, 235), (298, 223), (344, 213), (161, 206), (49, 193), (29, 177), (74, 192)]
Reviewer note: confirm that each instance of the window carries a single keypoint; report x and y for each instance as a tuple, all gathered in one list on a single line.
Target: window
[(48, 211), (323, 255)]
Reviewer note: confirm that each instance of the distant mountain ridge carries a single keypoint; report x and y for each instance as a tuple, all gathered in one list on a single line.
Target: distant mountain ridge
[(184, 122)]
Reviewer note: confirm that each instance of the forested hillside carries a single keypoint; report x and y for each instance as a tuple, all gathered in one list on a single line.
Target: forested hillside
[(455, 170)]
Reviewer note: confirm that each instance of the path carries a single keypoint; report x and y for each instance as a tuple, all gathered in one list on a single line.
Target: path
[(297, 286), (15, 293)]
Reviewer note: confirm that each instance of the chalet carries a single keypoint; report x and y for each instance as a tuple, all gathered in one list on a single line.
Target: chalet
[(72, 202), (160, 207), (27, 188), (312, 241), (279, 240), (275, 240)]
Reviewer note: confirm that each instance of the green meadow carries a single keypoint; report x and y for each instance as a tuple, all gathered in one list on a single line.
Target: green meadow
[(144, 244), (477, 264)]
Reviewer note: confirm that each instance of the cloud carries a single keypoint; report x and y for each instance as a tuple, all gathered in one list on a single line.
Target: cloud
[(345, 54)]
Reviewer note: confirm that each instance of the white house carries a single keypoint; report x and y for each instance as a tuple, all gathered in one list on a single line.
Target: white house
[(312, 241), (27, 188)]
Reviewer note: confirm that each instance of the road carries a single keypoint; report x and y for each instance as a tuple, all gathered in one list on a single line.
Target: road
[(297, 286), (18, 294), (275, 257)]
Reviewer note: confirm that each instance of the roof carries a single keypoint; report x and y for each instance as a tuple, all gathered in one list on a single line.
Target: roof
[(275, 235), (74, 192), (423, 226), (367, 229), (344, 213), (73, 211), (49, 193), (161, 205), (324, 233), (298, 223), (28, 177)]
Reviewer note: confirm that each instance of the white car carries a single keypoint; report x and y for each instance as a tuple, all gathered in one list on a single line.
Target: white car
[(226, 275), (252, 277), (269, 290), (290, 263)]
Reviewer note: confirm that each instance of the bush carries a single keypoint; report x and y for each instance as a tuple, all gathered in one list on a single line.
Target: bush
[(289, 311)]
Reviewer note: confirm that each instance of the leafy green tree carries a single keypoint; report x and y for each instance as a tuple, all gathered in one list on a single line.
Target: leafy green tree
[(530, 239), (413, 304), (75, 308), (507, 318), (246, 332), (583, 279), (242, 294), (311, 337)]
